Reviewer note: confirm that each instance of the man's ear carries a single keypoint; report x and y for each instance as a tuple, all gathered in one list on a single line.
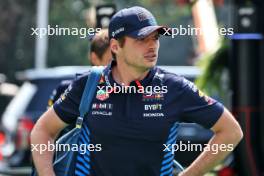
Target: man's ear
[(114, 45)]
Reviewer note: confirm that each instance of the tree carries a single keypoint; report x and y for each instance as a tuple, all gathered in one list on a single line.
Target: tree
[(15, 46)]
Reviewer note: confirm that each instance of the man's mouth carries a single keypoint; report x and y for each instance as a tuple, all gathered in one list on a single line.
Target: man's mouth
[(150, 56)]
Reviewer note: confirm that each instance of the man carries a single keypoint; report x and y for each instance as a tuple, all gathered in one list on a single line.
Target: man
[(133, 128), (99, 54)]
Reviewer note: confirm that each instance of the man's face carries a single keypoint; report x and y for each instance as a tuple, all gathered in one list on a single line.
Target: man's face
[(105, 60), (140, 53)]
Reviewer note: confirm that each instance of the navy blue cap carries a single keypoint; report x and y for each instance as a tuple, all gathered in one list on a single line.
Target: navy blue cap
[(136, 22)]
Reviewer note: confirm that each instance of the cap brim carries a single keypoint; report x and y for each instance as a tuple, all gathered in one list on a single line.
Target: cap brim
[(144, 32)]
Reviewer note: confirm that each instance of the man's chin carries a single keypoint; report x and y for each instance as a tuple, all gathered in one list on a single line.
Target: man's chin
[(151, 64)]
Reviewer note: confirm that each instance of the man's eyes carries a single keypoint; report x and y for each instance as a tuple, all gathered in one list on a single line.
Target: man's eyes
[(157, 37), (141, 39)]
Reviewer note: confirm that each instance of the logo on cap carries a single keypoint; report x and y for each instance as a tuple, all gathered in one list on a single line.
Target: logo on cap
[(114, 33), (142, 16)]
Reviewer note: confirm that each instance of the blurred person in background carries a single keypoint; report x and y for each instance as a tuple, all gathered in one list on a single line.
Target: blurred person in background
[(100, 53)]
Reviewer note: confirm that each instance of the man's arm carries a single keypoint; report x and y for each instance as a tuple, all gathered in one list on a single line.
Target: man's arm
[(226, 131), (46, 129)]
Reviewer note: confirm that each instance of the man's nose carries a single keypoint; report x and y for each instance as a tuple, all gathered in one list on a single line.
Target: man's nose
[(152, 43)]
